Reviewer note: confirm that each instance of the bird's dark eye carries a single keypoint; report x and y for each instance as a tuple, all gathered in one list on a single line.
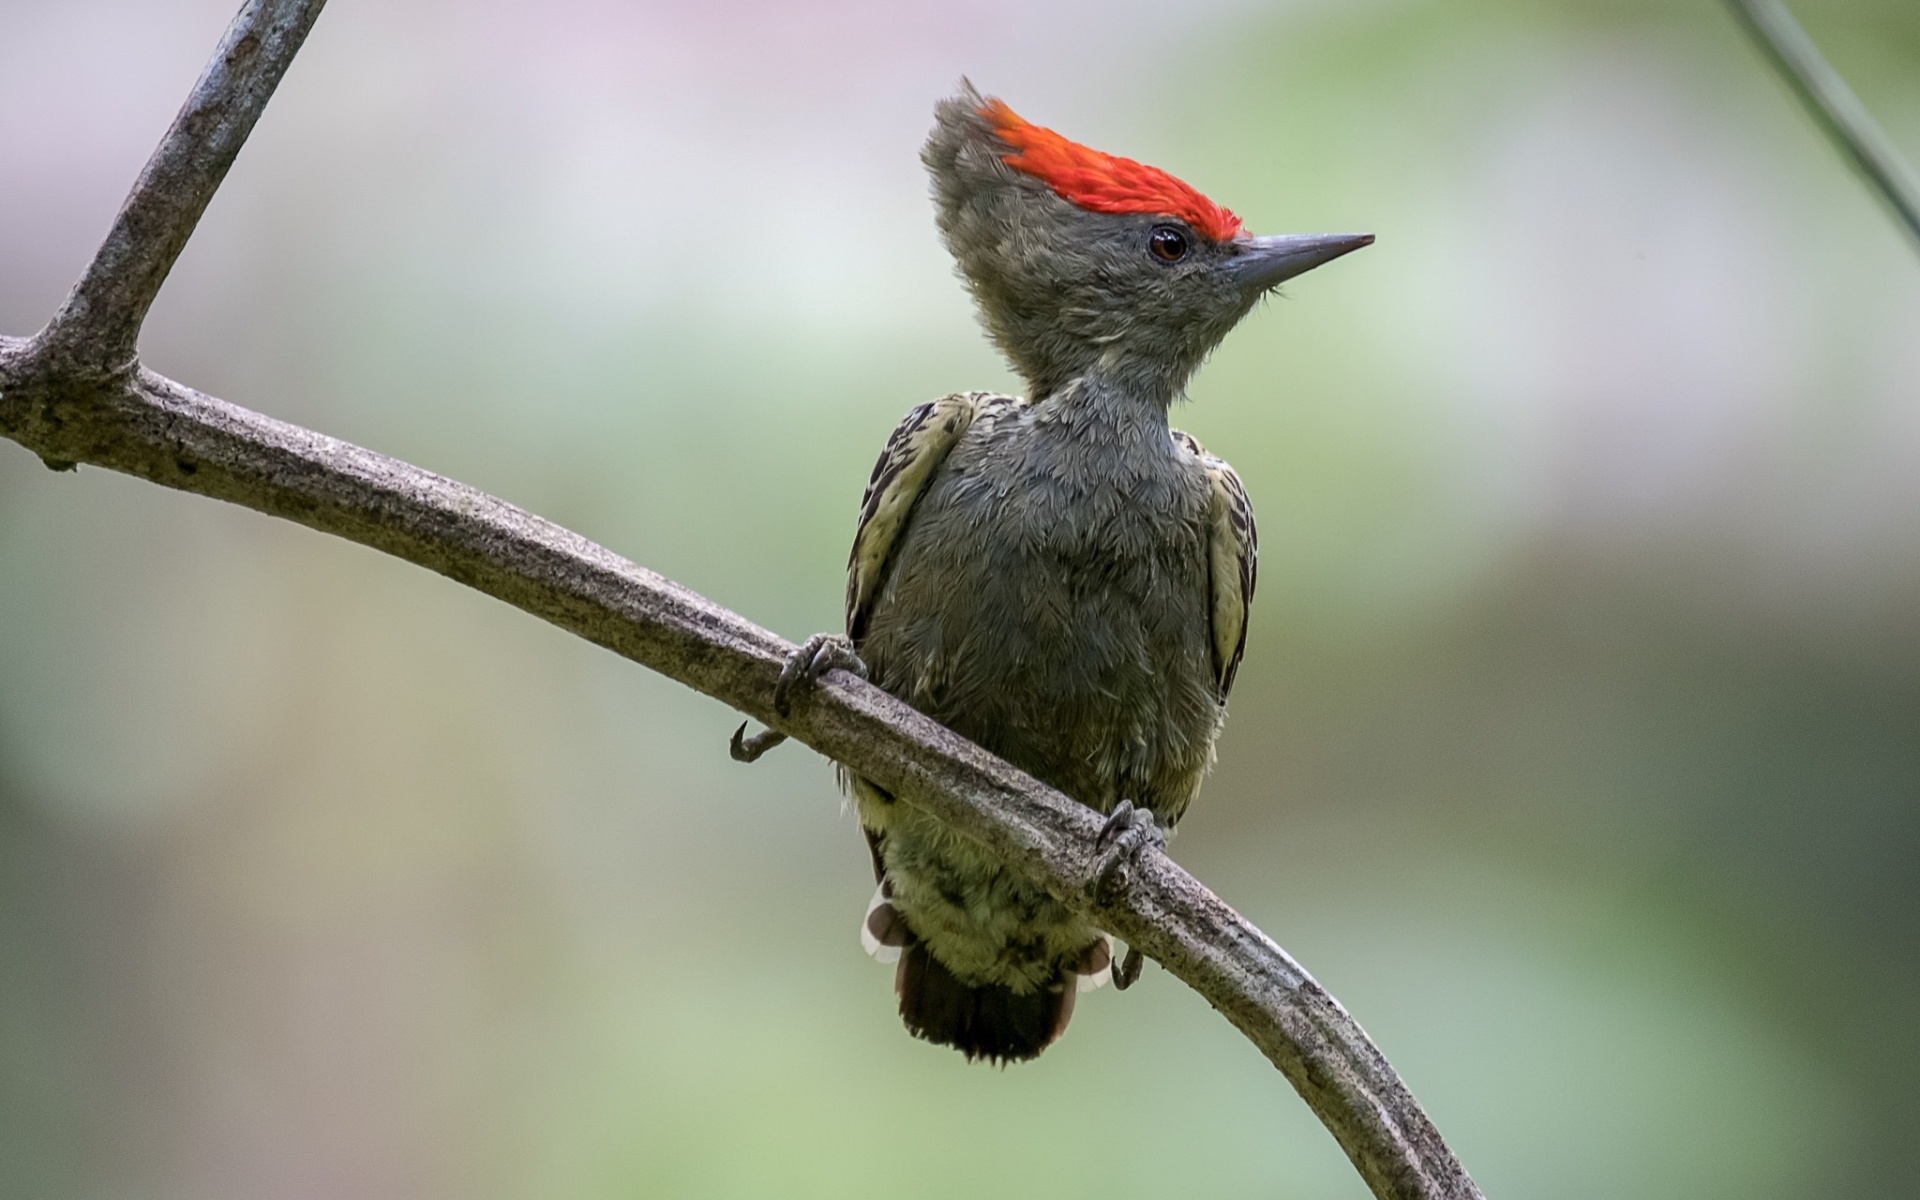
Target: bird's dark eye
[(1167, 243)]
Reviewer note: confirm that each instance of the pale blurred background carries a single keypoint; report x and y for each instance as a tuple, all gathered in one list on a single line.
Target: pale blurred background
[(1577, 748)]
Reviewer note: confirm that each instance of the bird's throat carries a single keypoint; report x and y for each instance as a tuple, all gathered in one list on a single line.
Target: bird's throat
[(1117, 400)]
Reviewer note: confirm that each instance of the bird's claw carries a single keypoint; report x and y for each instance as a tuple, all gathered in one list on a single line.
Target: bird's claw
[(742, 748), (1128, 831), (816, 656)]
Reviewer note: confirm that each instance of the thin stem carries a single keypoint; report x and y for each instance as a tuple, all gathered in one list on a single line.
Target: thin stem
[(1834, 107), (99, 325)]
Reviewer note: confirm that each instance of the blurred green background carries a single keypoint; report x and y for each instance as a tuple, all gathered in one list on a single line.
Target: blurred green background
[(1577, 748)]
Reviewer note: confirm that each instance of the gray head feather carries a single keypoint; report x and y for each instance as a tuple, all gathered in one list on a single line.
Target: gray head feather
[(1066, 292)]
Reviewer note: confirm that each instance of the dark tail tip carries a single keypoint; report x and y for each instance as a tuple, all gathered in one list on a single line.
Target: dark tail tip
[(991, 1022)]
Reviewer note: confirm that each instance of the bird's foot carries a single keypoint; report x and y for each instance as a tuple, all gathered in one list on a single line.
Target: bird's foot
[(1128, 831), (816, 656), (742, 748)]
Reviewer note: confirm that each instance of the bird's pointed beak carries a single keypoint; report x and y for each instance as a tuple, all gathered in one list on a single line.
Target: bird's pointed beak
[(1265, 262)]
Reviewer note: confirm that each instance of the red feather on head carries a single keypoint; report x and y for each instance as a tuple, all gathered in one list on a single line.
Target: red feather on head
[(1103, 182)]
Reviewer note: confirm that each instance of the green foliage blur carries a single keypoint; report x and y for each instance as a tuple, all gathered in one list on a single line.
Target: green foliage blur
[(1577, 748)]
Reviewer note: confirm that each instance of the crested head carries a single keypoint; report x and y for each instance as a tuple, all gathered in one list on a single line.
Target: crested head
[(1085, 263), (1103, 182)]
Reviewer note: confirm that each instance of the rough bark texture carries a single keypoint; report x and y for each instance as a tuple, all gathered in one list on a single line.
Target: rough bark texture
[(100, 321), (75, 394)]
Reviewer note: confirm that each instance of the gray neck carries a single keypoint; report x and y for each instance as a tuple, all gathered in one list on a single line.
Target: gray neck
[(1117, 382), (1112, 398), (1103, 435)]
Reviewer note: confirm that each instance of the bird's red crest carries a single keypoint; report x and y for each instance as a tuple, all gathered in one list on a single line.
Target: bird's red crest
[(1103, 182)]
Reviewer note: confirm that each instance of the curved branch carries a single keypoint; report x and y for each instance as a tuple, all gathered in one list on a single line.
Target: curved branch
[(68, 397), (159, 430), (1834, 107)]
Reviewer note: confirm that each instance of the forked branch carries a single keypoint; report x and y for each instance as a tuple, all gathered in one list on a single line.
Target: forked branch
[(99, 324), (75, 394)]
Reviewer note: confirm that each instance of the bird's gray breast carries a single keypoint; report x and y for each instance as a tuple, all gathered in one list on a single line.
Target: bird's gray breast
[(1049, 600)]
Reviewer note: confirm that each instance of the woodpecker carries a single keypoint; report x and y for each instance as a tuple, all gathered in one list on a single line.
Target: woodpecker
[(1061, 577)]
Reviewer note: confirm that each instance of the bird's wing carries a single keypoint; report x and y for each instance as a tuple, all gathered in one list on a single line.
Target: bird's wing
[(1233, 561), (918, 446)]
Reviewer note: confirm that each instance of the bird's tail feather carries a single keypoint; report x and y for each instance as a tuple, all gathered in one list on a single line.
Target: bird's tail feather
[(992, 1022)]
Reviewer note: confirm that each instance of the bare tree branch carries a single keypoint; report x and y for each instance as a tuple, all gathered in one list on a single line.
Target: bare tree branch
[(1834, 107), (74, 395), (99, 324)]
